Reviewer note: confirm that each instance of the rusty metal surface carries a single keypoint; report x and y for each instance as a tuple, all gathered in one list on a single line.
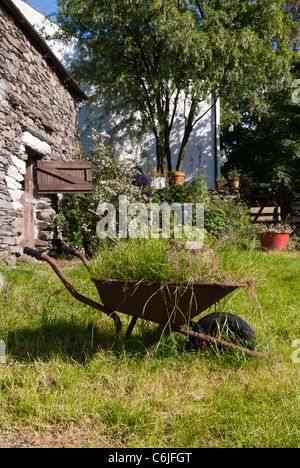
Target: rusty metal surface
[(220, 343), (172, 304)]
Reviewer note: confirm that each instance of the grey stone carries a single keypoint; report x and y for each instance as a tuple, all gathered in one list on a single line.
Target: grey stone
[(6, 205), (2, 283), (45, 215), (46, 236)]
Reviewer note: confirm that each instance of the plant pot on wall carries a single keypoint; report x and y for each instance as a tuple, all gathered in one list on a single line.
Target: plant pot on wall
[(234, 183), (221, 183), (233, 179), (176, 178), (274, 241)]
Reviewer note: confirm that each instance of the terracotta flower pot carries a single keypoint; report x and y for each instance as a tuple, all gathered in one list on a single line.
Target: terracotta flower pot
[(234, 183), (176, 178), (274, 241), (221, 183)]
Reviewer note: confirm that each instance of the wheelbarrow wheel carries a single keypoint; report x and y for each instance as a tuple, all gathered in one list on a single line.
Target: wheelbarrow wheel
[(225, 326)]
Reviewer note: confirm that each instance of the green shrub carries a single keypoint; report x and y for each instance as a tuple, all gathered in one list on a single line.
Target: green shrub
[(199, 192), (75, 222), (226, 219), (172, 194)]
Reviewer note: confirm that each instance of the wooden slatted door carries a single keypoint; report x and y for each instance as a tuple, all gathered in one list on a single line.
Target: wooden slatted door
[(63, 177)]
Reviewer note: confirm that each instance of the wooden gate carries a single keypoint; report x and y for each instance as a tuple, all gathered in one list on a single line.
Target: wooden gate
[(267, 201)]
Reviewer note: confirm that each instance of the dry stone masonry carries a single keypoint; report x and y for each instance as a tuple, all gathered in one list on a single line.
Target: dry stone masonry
[(39, 104)]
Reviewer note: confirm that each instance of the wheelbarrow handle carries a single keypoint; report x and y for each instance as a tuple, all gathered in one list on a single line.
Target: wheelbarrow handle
[(71, 289), (79, 255), (32, 252), (68, 249)]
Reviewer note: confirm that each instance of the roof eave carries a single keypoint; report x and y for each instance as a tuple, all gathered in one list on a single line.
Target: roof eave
[(68, 80)]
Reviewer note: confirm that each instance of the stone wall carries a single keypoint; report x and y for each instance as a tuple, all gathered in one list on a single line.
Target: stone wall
[(227, 193), (38, 120)]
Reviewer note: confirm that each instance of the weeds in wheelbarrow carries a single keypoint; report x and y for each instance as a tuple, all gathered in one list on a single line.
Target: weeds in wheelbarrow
[(170, 304), (163, 260)]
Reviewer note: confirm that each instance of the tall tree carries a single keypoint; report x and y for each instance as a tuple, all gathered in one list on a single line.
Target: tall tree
[(144, 58), (266, 147)]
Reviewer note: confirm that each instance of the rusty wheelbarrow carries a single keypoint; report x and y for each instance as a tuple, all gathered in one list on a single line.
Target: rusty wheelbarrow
[(171, 305)]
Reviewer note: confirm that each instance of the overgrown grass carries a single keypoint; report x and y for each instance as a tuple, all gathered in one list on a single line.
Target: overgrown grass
[(62, 387), (165, 260)]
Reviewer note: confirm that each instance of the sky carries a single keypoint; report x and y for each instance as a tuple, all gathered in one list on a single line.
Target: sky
[(45, 6)]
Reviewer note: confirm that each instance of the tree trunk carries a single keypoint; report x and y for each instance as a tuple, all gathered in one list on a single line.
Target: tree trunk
[(160, 155), (185, 139), (167, 148)]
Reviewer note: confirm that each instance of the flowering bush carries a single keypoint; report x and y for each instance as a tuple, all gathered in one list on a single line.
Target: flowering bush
[(145, 183), (114, 175), (273, 228), (76, 220)]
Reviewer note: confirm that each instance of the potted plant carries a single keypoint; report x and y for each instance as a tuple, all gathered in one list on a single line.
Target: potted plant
[(176, 177), (233, 179), (274, 236), (221, 182), (158, 180)]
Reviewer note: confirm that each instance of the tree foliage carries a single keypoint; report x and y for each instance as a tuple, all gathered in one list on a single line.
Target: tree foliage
[(143, 58), (266, 147)]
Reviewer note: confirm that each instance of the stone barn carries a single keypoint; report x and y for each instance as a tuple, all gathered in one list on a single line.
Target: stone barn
[(39, 135)]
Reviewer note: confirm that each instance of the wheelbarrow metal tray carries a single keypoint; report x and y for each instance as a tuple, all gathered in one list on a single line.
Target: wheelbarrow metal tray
[(167, 303)]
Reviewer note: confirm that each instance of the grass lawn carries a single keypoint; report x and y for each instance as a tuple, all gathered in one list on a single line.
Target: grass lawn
[(61, 387)]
